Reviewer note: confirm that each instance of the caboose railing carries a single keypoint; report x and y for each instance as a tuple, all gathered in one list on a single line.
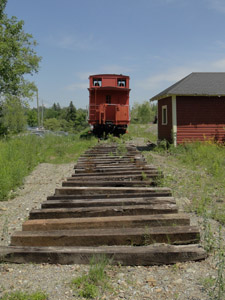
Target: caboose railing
[(102, 113)]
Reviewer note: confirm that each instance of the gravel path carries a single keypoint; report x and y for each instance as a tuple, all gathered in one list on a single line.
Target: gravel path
[(181, 281)]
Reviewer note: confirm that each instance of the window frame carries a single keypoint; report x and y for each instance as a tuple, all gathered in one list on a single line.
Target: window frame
[(97, 82), (121, 82), (164, 115), (108, 99)]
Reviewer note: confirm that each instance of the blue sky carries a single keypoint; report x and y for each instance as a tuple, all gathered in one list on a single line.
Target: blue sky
[(155, 42)]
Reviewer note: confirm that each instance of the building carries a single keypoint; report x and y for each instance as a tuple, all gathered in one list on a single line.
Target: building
[(192, 109)]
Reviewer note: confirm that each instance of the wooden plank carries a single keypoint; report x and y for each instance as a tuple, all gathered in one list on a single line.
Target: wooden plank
[(107, 183), (109, 160), (116, 236), (124, 255), (107, 202), (107, 222), (118, 173), (100, 211), (110, 196), (117, 168), (111, 190), (106, 177), (109, 166), (112, 155)]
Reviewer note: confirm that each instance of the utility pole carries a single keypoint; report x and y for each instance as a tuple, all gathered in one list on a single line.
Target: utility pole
[(38, 115), (42, 115)]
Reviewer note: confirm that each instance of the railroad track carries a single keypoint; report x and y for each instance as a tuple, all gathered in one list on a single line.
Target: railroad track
[(111, 205)]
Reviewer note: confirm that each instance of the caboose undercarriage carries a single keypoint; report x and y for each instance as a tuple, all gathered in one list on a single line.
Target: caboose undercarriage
[(109, 128)]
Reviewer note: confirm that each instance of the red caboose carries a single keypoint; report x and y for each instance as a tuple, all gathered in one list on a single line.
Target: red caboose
[(109, 103)]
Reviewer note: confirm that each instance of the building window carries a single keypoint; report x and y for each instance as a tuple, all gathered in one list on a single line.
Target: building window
[(97, 82), (121, 82), (164, 115), (108, 99)]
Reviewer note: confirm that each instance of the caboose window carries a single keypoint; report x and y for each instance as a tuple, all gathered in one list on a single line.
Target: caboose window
[(121, 82), (108, 99), (164, 115), (97, 82)]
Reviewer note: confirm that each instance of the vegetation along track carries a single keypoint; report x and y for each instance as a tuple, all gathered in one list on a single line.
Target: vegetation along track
[(110, 206)]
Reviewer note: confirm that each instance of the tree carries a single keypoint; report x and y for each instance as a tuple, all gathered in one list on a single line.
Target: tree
[(17, 57), (81, 118), (32, 117), (3, 129), (143, 113), (52, 124), (14, 118), (71, 113)]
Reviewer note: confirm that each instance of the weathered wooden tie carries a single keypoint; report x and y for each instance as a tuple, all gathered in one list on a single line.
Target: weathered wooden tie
[(107, 207), (127, 255), (107, 236), (107, 202), (147, 221), (102, 211)]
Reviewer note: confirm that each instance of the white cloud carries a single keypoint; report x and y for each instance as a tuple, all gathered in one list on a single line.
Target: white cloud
[(106, 69), (74, 42), (219, 65), (163, 80), (115, 69), (218, 5), (220, 44), (84, 75), (77, 86), (166, 78)]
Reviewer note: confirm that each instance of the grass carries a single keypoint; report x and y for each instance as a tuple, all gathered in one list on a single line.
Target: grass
[(196, 171), (20, 154), (24, 296), (215, 285), (196, 174), (94, 283), (145, 131)]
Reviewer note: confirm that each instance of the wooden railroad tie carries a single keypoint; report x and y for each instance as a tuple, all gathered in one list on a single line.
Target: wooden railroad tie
[(110, 206)]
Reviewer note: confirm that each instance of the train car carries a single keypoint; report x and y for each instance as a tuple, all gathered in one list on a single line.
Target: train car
[(109, 103)]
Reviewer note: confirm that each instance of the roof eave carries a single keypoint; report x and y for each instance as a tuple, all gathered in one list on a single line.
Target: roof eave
[(192, 95), (156, 98)]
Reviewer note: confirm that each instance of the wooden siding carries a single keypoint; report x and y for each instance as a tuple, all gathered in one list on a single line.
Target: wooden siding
[(165, 131), (200, 118)]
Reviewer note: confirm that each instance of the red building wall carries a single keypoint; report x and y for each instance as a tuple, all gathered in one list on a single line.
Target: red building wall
[(165, 131), (200, 118)]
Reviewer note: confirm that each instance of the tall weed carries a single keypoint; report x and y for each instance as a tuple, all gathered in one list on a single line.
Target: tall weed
[(95, 282), (209, 156), (203, 177), (19, 155)]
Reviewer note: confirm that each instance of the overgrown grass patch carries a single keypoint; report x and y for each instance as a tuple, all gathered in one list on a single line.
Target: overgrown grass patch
[(24, 296), (20, 154), (146, 131), (195, 171), (94, 283)]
